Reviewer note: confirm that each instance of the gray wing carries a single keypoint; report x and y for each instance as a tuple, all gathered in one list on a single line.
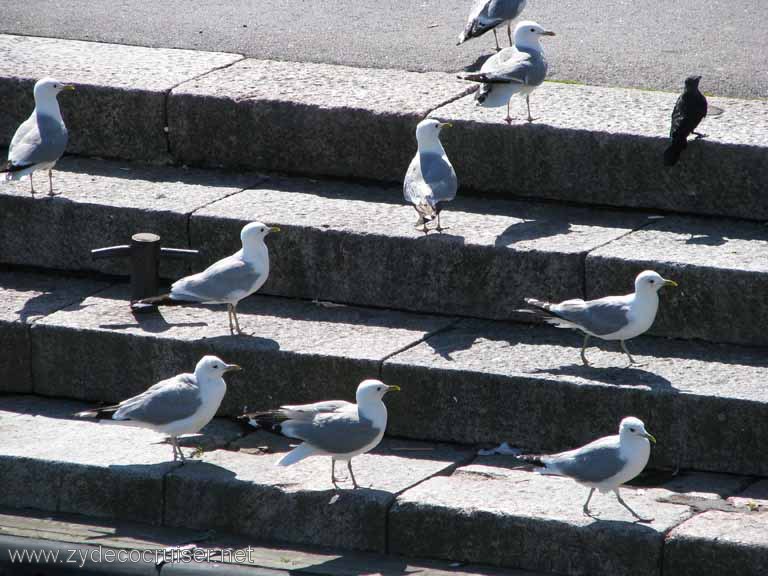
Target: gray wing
[(440, 176), (227, 279), (503, 10), (589, 464), (309, 411), (39, 139), (167, 401), (339, 433), (513, 66), (416, 190), (604, 316)]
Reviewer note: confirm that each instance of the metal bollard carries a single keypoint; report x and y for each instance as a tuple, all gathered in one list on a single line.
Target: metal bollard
[(144, 253)]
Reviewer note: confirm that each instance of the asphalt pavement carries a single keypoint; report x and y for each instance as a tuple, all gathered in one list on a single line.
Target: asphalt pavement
[(639, 43)]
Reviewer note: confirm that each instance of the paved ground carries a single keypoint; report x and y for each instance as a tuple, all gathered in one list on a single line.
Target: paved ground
[(644, 43)]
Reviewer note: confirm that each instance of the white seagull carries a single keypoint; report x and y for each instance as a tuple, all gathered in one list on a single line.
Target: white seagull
[(180, 405), (229, 280), (335, 428), (518, 70), (604, 464), (41, 139), (490, 14), (611, 318), (430, 179)]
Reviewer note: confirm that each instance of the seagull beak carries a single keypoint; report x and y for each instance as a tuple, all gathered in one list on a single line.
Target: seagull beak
[(650, 437), (68, 87), (393, 388), (445, 125), (548, 33), (274, 229), (232, 368), (670, 283)]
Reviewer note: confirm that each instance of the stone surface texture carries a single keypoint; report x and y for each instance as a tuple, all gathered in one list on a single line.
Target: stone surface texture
[(509, 517), (357, 244), (718, 542), (718, 265), (298, 351), (493, 382), (102, 204), (247, 493), (117, 110), (605, 146), (306, 118), (24, 299)]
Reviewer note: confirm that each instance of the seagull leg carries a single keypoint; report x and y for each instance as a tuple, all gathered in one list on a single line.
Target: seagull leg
[(229, 317), (509, 34), (584, 350), (50, 183), (586, 504), (237, 322), (498, 48), (31, 185), (440, 228), (333, 473), (508, 119), (635, 514), (349, 467), (176, 449), (528, 103), (632, 361)]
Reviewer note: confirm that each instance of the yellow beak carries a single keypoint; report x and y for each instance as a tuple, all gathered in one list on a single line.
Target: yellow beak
[(548, 33), (68, 87), (233, 368), (274, 229), (393, 388), (670, 283), (650, 437), (446, 125)]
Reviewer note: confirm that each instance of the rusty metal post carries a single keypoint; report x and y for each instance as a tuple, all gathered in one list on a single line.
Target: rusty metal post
[(144, 253)]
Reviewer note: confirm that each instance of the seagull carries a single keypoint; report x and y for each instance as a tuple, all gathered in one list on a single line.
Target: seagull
[(518, 70), (430, 179), (180, 405), (612, 318), (41, 139), (335, 428), (488, 15), (690, 110), (229, 280), (604, 464)]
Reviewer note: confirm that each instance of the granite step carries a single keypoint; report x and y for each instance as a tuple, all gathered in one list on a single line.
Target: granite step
[(356, 244), (418, 500), (590, 145), (464, 381)]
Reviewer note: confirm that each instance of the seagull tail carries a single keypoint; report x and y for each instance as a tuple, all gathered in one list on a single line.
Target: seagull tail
[(537, 460), (162, 299), (297, 454), (270, 421), (98, 413), (672, 153)]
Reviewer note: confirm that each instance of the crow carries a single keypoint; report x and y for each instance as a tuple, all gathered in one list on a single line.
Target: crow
[(690, 109)]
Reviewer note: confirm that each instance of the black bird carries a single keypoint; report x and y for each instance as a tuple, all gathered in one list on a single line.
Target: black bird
[(690, 109)]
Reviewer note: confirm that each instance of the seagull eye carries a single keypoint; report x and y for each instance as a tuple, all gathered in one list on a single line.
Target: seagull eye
[(533, 29), (632, 430), (378, 388), (215, 365)]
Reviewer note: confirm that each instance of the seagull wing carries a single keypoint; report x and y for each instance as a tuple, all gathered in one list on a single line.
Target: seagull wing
[(167, 401), (334, 432), (228, 280), (596, 462)]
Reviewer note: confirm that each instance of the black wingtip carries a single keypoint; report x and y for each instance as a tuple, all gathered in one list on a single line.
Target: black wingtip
[(534, 459), (162, 299)]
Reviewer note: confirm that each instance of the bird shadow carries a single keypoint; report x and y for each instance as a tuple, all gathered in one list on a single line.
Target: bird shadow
[(478, 63), (452, 342), (45, 302), (616, 375), (152, 322), (532, 230), (434, 236), (706, 240)]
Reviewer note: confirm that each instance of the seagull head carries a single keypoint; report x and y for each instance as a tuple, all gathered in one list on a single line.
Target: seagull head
[(48, 88), (214, 366), (632, 428), (692, 82), (428, 132), (369, 390), (255, 232), (650, 281), (528, 33)]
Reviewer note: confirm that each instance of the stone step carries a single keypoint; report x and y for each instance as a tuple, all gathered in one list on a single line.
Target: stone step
[(356, 244), (95, 544), (590, 145), (464, 381), (417, 500)]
